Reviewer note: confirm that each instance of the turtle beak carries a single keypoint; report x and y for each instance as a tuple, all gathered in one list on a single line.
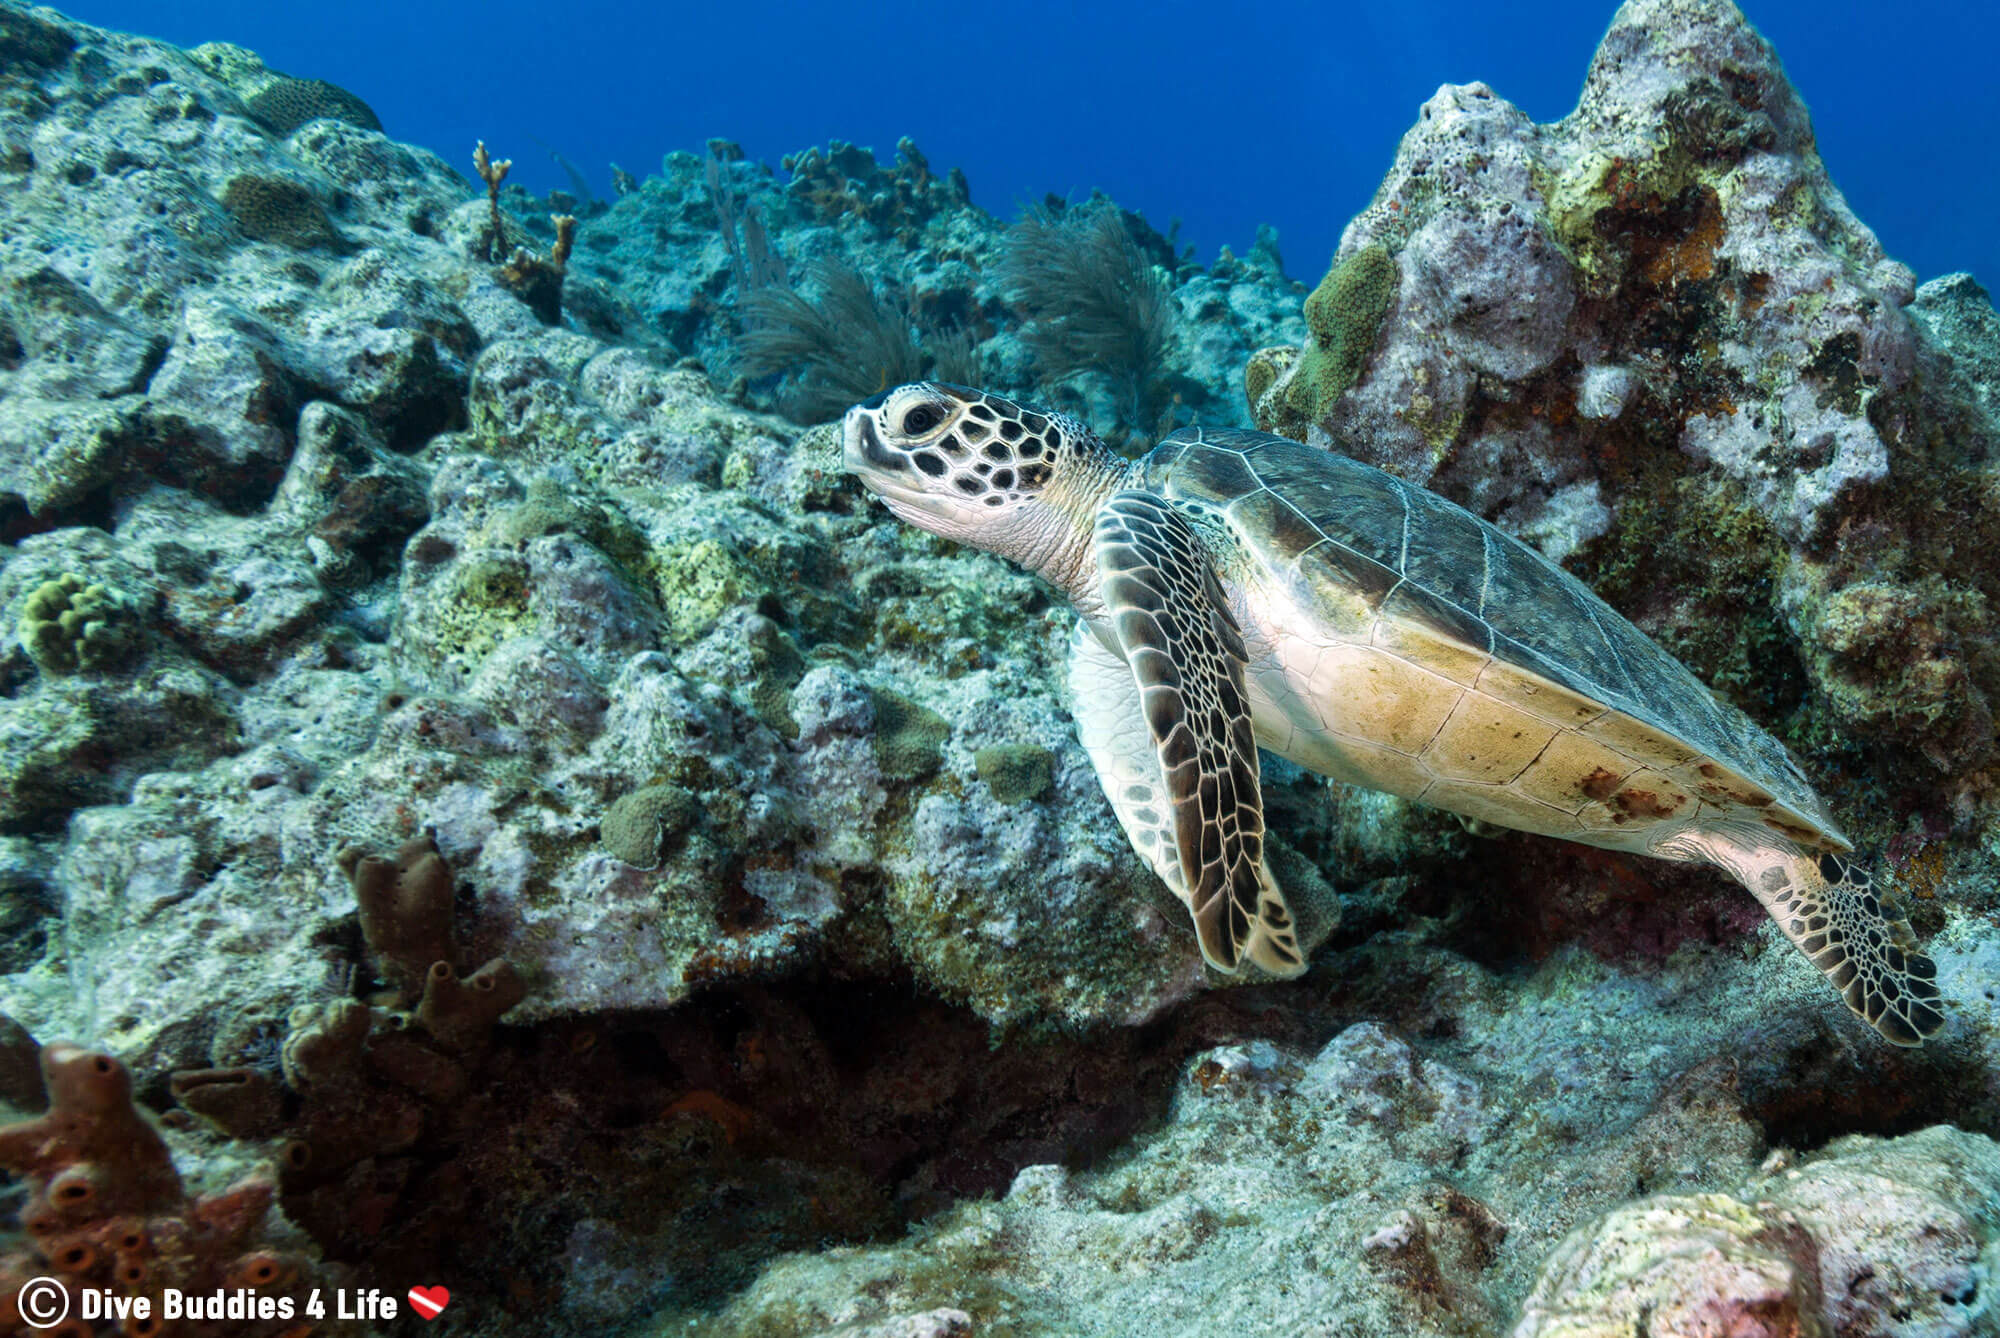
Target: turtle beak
[(862, 451)]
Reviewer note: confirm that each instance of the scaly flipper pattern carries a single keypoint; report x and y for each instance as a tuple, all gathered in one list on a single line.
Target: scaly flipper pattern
[(1170, 621), (1827, 905)]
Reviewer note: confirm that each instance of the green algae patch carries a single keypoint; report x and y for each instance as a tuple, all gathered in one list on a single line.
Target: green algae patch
[(704, 553), (1700, 569), (1657, 219), (538, 517), (1893, 661), (72, 449), (548, 509), (72, 626), (697, 584), (1016, 772), (909, 739), (487, 604)]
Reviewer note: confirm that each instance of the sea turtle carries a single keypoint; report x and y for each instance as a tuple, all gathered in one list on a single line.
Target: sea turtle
[(1236, 589)]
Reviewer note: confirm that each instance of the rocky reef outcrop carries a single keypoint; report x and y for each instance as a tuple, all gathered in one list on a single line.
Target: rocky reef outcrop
[(370, 548)]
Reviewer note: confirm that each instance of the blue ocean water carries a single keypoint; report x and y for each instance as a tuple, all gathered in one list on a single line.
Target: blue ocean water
[(1221, 115)]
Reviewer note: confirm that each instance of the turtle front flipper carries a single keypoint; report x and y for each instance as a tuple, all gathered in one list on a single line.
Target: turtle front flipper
[(1827, 906), (1171, 734), (1112, 726)]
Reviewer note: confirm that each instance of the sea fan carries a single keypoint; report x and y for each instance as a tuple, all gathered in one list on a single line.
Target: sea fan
[(954, 355), (843, 345), (1092, 303)]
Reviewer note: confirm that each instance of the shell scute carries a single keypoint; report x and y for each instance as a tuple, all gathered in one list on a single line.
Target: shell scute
[(1383, 697), (1638, 738), (1216, 476), (1538, 696), (1344, 507), (1425, 644), (1333, 570), (1418, 606), (1487, 741), (1499, 804), (1648, 795), (1569, 774), (1383, 767), (1444, 543), (1281, 524)]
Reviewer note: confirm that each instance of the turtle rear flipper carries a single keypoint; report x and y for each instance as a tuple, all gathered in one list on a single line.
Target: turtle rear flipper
[(1827, 905), (1169, 729)]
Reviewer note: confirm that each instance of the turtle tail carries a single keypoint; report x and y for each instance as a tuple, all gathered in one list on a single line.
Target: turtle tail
[(1827, 905)]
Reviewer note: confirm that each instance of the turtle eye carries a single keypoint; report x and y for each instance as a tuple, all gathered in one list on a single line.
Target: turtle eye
[(921, 420)]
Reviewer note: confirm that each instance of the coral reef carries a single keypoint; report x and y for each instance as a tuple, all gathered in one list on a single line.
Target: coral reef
[(751, 264), (285, 104), (1342, 317), (842, 180), (848, 344), (838, 1001), (1378, 1188), (621, 1161), (271, 209), (69, 626), (638, 827), (493, 172), (31, 43), (1868, 1237), (1688, 1263), (687, 246), (405, 907), (365, 1084), (1015, 772), (536, 279)]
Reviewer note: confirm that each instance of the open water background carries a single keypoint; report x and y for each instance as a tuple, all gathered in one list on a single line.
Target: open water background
[(1221, 115)]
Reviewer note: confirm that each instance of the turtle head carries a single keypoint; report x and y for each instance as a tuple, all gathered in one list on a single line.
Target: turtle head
[(974, 467)]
